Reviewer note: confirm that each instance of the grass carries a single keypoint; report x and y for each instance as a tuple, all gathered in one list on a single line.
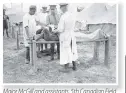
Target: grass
[(88, 71)]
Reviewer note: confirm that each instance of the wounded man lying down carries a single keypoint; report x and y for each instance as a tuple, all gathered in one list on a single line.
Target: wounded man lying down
[(97, 34), (47, 34)]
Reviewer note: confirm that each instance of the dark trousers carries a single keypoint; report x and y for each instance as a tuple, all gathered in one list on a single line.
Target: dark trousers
[(28, 53), (42, 46), (52, 50), (58, 50), (5, 29)]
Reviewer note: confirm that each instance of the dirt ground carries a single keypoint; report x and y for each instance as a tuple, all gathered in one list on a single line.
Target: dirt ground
[(88, 71)]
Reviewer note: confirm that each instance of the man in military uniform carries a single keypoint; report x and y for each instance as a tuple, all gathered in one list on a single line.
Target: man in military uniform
[(52, 20), (41, 18)]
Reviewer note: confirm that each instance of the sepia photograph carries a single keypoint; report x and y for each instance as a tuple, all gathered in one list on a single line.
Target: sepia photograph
[(61, 43)]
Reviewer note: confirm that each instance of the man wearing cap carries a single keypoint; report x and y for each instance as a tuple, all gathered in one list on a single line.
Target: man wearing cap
[(53, 17), (41, 18), (68, 48), (29, 29), (42, 15), (52, 20)]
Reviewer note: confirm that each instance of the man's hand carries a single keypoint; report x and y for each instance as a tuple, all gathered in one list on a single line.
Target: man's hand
[(55, 31), (39, 23), (55, 26)]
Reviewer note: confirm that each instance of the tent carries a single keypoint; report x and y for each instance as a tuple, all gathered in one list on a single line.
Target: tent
[(98, 16), (92, 13)]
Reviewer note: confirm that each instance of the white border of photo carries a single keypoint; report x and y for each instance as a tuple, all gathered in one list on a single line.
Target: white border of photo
[(119, 53)]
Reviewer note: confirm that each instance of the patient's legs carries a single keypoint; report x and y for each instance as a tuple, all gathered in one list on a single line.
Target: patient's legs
[(94, 35)]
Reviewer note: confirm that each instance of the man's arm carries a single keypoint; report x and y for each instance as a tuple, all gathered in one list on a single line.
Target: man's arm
[(61, 26), (58, 18), (25, 25), (47, 20), (27, 32), (40, 23)]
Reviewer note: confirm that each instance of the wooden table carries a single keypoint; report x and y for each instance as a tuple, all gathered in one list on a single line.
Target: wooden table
[(33, 54)]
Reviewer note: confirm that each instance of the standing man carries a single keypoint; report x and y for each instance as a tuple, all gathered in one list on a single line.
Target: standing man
[(68, 48), (29, 30), (53, 20), (42, 15), (5, 23), (53, 17), (41, 18)]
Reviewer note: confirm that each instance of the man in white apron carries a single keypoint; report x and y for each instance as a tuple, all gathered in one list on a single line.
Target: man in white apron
[(68, 48), (29, 30)]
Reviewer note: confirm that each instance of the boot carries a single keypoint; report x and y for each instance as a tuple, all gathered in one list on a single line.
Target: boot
[(39, 54), (66, 66), (74, 65), (52, 57), (65, 69)]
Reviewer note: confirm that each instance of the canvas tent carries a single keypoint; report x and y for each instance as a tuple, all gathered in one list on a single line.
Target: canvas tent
[(98, 16), (92, 13)]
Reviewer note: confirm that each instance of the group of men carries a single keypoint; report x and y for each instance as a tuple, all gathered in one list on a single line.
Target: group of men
[(61, 27)]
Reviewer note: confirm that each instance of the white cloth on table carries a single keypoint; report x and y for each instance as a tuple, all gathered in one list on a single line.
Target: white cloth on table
[(92, 36)]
